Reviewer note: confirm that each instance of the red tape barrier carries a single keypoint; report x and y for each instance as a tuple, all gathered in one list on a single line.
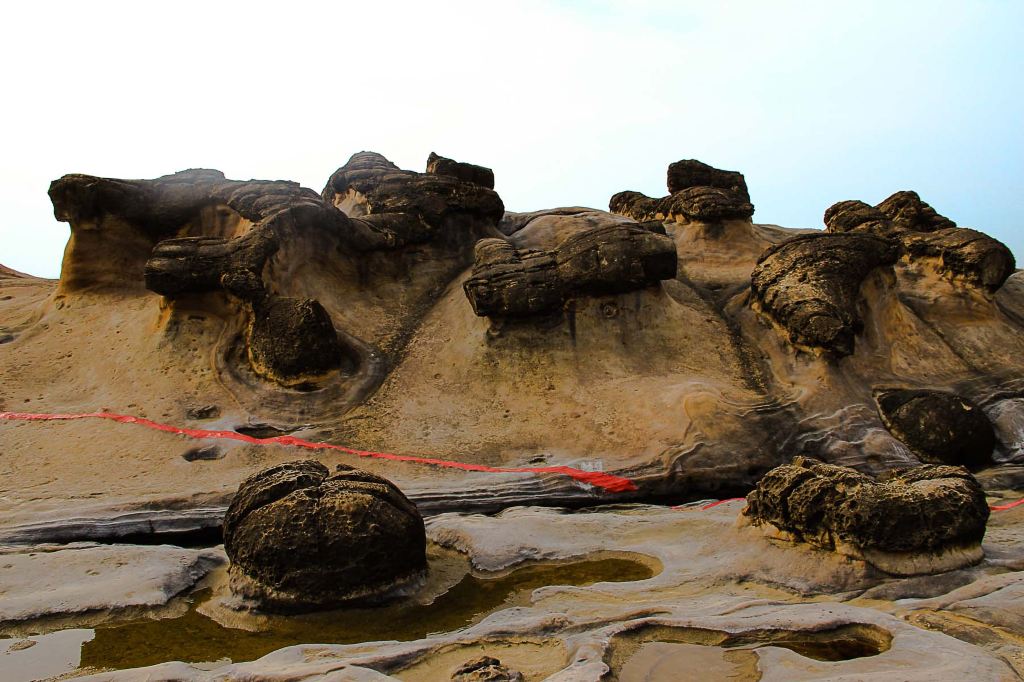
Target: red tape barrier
[(609, 482)]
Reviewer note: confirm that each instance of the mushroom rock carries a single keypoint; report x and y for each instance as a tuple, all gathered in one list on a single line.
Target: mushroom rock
[(907, 212), (697, 192), (612, 258), (292, 341), (927, 519), (810, 286), (962, 255), (939, 427), (856, 216), (415, 207), (467, 172), (300, 538), (692, 173), (927, 238)]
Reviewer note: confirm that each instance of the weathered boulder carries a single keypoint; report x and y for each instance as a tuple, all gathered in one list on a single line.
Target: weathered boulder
[(907, 211), (962, 255), (693, 173), (486, 669), (467, 172), (810, 285), (927, 238), (940, 427), (926, 519), (856, 216), (299, 537), (612, 258), (697, 192), (292, 341), (414, 207)]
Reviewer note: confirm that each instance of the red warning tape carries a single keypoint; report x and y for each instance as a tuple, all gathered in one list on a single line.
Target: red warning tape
[(1009, 505), (609, 482)]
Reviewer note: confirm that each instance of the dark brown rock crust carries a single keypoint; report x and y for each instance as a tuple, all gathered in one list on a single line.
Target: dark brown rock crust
[(939, 427), (923, 509), (810, 285), (467, 172), (299, 537), (697, 192), (615, 258), (925, 237), (486, 669)]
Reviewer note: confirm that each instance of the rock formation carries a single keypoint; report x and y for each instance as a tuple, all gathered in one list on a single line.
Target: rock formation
[(614, 258), (467, 172), (485, 669), (299, 537), (923, 520), (810, 285), (697, 192), (927, 238), (940, 427)]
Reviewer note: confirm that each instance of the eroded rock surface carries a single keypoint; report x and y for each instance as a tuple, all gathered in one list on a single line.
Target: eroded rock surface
[(810, 285), (924, 520), (697, 192), (467, 172), (940, 427), (927, 238), (486, 669), (613, 258), (299, 537)]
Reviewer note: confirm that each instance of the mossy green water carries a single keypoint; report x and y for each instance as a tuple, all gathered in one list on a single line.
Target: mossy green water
[(194, 637)]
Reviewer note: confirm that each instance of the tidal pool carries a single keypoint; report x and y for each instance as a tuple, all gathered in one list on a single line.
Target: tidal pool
[(196, 638)]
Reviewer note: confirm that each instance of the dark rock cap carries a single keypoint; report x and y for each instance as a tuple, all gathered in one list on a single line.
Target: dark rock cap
[(924, 509), (467, 172), (299, 537), (810, 285), (939, 427)]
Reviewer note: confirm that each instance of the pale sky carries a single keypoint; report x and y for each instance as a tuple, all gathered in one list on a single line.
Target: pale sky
[(568, 102)]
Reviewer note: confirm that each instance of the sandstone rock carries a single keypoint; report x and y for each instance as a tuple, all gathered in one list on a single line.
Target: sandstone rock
[(963, 255), (697, 192), (467, 172), (924, 520), (414, 207), (856, 216), (485, 669), (292, 341), (940, 427), (612, 258), (810, 285), (907, 212), (189, 265), (692, 173), (299, 537)]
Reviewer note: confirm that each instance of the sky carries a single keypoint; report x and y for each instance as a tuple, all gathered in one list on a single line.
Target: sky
[(569, 102)]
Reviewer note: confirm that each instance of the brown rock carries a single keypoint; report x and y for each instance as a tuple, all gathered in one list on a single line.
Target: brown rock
[(938, 512), (486, 669), (940, 427), (299, 537), (467, 172), (810, 285), (612, 258)]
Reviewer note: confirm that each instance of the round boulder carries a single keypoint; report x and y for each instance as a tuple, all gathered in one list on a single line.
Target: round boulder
[(939, 427), (301, 538)]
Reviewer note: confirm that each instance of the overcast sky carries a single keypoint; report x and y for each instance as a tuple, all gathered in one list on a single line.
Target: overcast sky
[(568, 102)]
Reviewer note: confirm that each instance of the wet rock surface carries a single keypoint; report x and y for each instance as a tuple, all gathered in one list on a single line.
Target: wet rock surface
[(929, 510), (940, 427), (485, 669), (299, 537)]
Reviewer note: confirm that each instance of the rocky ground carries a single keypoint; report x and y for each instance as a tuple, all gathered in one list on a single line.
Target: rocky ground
[(672, 344)]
